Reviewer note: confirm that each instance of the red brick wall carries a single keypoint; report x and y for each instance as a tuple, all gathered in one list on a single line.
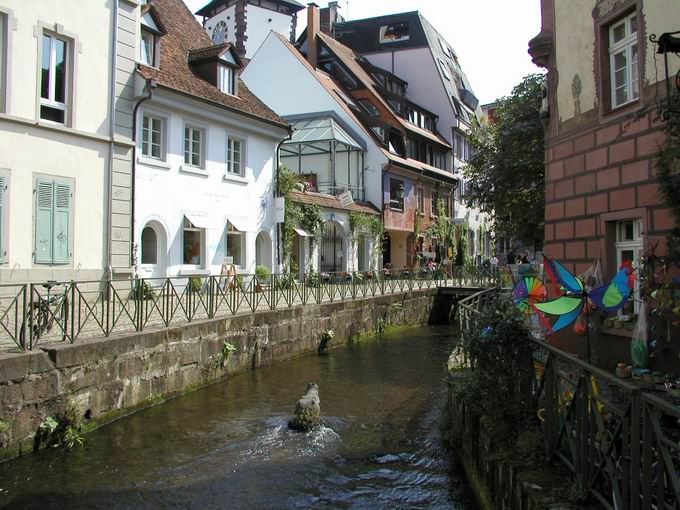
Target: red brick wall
[(601, 173)]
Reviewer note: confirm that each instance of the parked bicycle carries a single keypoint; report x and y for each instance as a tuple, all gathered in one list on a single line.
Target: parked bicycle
[(43, 312)]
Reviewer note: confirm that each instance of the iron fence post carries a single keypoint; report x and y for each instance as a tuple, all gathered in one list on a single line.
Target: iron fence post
[(22, 330)]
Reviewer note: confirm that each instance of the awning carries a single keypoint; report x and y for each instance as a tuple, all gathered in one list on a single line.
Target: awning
[(240, 223), (198, 221), (301, 232)]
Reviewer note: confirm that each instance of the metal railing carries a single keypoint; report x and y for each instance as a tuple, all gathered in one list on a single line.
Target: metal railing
[(621, 442), (39, 313)]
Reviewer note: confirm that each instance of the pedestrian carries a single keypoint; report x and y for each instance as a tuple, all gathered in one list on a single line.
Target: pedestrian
[(494, 261)]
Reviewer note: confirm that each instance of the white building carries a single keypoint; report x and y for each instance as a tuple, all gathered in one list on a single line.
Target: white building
[(247, 23), (65, 148), (206, 154), (410, 47)]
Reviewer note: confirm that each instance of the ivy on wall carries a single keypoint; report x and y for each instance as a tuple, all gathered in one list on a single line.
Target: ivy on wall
[(668, 173), (367, 224)]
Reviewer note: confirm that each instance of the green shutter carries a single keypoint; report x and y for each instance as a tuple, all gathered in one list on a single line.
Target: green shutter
[(62, 213), (44, 202), (2, 218)]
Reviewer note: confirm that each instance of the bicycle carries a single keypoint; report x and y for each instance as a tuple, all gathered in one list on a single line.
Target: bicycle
[(42, 314)]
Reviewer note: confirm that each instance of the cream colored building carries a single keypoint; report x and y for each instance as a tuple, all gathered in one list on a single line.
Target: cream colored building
[(65, 138)]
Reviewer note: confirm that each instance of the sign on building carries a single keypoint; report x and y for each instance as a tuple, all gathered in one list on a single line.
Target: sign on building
[(346, 199), (280, 209)]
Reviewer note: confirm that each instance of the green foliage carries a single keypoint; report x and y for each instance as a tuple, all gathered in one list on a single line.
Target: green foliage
[(222, 359), (380, 326), (195, 284), (63, 430), (144, 289), (72, 437), (370, 224), (287, 180), (506, 172), (48, 425), (668, 172), (499, 349), (263, 272), (306, 216)]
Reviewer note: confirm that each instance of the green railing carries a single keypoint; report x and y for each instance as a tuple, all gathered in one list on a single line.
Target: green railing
[(621, 442), (38, 313)]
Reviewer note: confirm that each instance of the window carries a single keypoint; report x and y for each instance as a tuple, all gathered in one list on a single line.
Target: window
[(149, 246), (369, 107), (192, 241), (235, 244), (54, 78), (440, 160), (225, 79), (152, 137), (445, 70), (394, 32), (235, 156), (421, 200), (53, 200), (447, 51), (149, 40), (396, 195), (434, 198), (193, 146), (623, 61), (411, 148), (629, 248)]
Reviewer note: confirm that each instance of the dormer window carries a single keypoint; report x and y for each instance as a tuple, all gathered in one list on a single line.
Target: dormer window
[(149, 40), (225, 79), (394, 32)]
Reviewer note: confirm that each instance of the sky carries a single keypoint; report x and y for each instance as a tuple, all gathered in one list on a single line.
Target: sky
[(490, 36)]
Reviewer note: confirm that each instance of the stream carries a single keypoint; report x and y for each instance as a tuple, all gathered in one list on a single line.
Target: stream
[(227, 445)]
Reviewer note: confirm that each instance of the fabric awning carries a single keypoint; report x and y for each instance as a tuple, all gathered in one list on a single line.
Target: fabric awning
[(301, 232), (240, 224), (198, 221)]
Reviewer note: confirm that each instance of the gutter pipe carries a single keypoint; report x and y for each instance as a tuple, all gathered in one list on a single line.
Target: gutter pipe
[(108, 272)]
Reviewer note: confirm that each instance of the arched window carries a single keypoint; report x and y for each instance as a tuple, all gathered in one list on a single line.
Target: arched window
[(149, 246)]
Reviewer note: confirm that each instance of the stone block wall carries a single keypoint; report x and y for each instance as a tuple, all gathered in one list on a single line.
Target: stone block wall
[(109, 377)]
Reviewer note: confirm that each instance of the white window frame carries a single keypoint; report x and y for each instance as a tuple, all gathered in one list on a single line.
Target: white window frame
[(203, 239), (50, 102), (230, 161), (225, 79), (233, 231), (203, 146), (420, 200), (636, 245), (162, 142), (625, 46)]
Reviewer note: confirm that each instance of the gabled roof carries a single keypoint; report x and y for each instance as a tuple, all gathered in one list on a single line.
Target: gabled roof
[(214, 52), (184, 34), (214, 4)]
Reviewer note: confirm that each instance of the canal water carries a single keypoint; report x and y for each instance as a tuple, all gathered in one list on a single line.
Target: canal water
[(227, 446)]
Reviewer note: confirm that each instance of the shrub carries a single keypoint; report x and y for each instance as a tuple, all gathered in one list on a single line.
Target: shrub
[(500, 353), (195, 284), (262, 272)]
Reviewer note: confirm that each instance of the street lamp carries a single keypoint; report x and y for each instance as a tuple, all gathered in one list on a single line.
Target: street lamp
[(668, 42)]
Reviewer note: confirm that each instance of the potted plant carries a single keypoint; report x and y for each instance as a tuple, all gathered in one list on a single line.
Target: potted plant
[(263, 274)]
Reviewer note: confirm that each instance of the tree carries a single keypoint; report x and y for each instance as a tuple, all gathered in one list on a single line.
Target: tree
[(505, 175)]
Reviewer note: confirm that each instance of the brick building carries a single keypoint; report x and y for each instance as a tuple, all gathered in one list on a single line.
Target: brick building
[(604, 88)]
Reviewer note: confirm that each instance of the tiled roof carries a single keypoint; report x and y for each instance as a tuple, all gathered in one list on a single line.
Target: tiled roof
[(331, 202), (207, 53), (184, 34), (352, 60)]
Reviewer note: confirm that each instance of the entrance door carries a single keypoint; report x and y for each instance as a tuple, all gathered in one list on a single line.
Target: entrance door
[(332, 248), (386, 249)]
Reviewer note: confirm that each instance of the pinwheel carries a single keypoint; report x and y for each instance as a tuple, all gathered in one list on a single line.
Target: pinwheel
[(569, 306), (527, 292)]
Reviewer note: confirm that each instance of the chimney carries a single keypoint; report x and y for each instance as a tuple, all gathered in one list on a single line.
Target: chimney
[(329, 18), (313, 25)]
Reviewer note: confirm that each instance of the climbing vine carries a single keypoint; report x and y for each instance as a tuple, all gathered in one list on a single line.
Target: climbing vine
[(443, 229), (371, 224), (668, 172)]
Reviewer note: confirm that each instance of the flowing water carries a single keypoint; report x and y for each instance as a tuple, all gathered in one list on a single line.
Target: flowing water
[(227, 446)]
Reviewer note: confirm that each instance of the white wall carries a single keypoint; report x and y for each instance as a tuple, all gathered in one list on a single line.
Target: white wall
[(78, 152), (259, 26), (164, 193), (299, 93)]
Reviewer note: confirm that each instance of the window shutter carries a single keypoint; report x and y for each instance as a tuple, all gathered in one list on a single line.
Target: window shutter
[(2, 218), (62, 212), (44, 201)]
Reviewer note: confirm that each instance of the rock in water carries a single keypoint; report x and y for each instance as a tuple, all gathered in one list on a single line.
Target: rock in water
[(307, 411)]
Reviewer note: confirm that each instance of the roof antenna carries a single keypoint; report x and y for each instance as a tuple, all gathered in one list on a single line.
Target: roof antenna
[(347, 10)]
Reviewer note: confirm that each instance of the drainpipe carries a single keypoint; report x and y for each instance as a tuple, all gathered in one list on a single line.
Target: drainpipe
[(277, 191), (149, 88), (108, 273)]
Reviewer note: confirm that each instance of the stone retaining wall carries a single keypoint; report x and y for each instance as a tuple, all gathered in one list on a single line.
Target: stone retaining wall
[(110, 377)]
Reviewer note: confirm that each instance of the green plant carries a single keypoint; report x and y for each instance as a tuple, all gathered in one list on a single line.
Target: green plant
[(72, 437), (668, 173), (500, 353), (370, 225), (49, 425), (225, 354), (380, 326), (328, 335), (144, 290), (263, 273), (195, 284)]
